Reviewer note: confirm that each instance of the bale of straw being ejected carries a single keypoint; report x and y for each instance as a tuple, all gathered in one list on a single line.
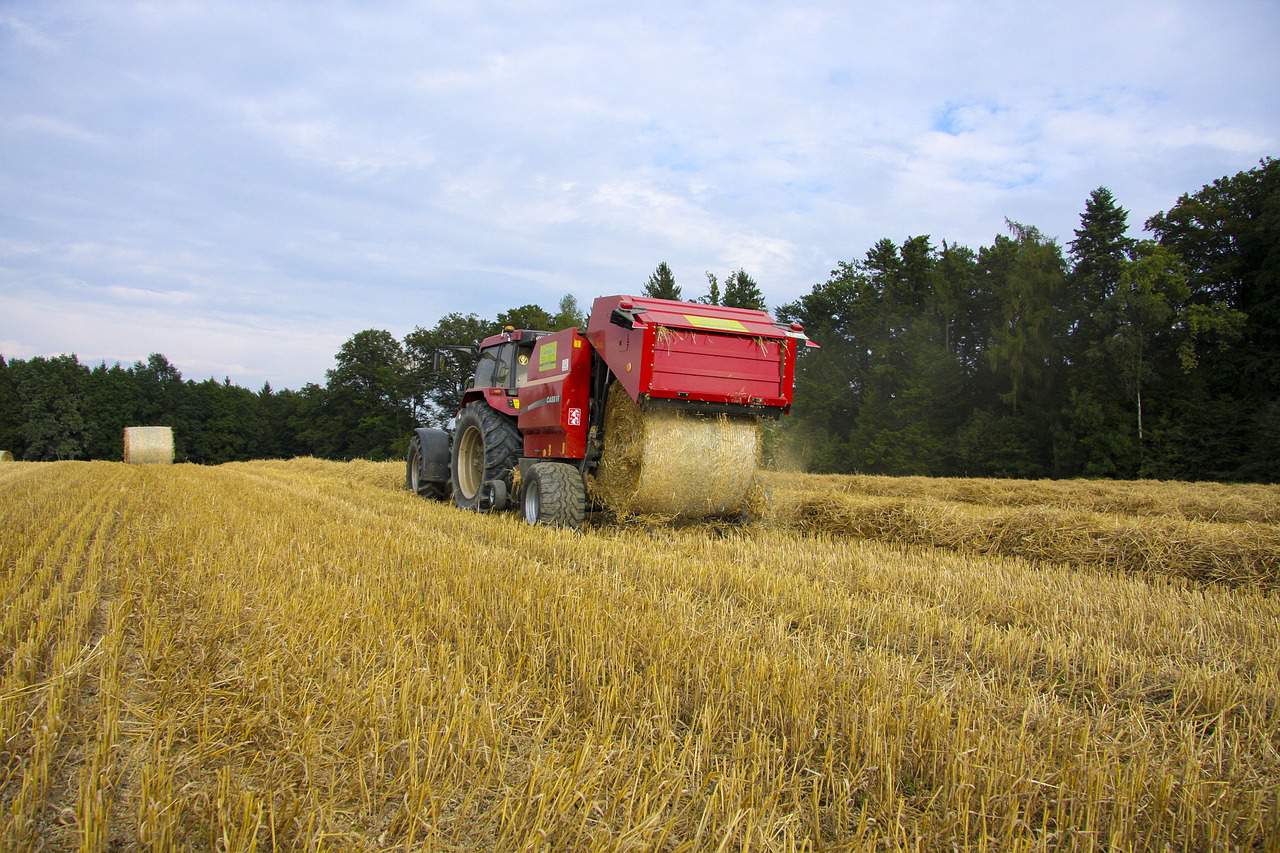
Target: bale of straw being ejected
[(148, 445), (664, 462), (6, 456)]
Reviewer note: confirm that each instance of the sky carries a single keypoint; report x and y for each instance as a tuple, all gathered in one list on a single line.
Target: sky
[(243, 187)]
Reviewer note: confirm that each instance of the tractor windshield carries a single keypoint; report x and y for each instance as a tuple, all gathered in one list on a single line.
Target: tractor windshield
[(493, 370)]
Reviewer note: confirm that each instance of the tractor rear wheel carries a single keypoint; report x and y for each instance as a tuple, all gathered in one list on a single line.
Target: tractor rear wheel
[(554, 494), (486, 446), (413, 475)]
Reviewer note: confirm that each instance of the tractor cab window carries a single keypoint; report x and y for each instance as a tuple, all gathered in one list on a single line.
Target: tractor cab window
[(486, 367), (493, 370)]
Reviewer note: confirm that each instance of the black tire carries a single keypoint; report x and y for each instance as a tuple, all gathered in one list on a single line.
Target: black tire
[(486, 446), (554, 494), (413, 471)]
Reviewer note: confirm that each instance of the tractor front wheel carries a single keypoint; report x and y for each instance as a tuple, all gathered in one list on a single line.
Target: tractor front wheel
[(553, 493), (486, 446)]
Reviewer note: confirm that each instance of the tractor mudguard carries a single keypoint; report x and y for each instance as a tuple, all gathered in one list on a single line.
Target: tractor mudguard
[(435, 455)]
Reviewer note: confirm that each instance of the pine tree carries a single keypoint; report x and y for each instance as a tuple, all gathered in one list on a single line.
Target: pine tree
[(712, 296), (10, 411), (741, 291), (662, 284), (1100, 248), (1026, 274), (53, 407)]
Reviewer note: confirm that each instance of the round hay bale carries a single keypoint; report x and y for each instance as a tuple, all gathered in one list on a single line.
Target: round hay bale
[(6, 456), (664, 462), (151, 445)]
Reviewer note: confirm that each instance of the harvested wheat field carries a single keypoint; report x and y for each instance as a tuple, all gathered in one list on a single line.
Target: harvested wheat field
[(297, 655)]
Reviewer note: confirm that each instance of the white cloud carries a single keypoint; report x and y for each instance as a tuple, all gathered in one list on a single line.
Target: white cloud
[(149, 297), (250, 352), (298, 167), (15, 349), (30, 35), (51, 126), (329, 143)]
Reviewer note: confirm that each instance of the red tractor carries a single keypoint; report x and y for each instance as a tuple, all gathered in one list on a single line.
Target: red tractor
[(537, 400)]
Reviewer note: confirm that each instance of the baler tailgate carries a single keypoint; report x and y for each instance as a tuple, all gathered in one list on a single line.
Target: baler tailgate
[(698, 363), (714, 354)]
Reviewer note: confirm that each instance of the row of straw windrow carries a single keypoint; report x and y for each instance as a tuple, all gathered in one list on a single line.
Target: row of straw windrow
[(1233, 554), (1158, 543), (1221, 502)]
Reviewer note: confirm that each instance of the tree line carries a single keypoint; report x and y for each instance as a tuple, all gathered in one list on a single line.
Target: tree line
[(1111, 357), (379, 388), (1115, 357)]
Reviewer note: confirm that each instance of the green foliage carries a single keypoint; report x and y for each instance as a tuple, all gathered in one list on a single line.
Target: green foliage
[(113, 398), (1095, 437), (1100, 249), (1227, 237), (367, 398), (570, 315), (712, 296), (11, 416), (441, 363), (741, 291), (662, 284), (1026, 274), (51, 391), (997, 444), (527, 317), (1143, 360), (1205, 324)]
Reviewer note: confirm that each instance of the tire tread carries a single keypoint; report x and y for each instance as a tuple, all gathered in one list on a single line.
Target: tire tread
[(503, 445), (563, 494)]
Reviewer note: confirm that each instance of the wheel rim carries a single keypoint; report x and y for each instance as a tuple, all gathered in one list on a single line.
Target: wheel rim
[(413, 471), (532, 502), (471, 462)]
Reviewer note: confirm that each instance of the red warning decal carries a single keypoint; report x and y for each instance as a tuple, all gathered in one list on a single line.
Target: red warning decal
[(575, 417)]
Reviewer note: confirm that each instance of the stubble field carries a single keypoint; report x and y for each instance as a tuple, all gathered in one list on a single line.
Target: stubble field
[(298, 655)]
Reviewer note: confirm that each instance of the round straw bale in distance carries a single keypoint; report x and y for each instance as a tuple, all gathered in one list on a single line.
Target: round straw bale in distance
[(152, 445), (6, 456), (665, 462)]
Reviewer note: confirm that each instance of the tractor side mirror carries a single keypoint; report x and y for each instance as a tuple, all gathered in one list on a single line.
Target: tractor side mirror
[(437, 361)]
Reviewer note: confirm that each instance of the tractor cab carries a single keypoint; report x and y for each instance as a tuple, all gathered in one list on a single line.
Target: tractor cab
[(504, 359)]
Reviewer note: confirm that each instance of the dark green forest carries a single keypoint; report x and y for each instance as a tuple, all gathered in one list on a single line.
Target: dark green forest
[(1109, 356)]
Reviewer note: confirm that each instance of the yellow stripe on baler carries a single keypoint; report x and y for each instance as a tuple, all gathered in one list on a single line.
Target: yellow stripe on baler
[(719, 323)]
